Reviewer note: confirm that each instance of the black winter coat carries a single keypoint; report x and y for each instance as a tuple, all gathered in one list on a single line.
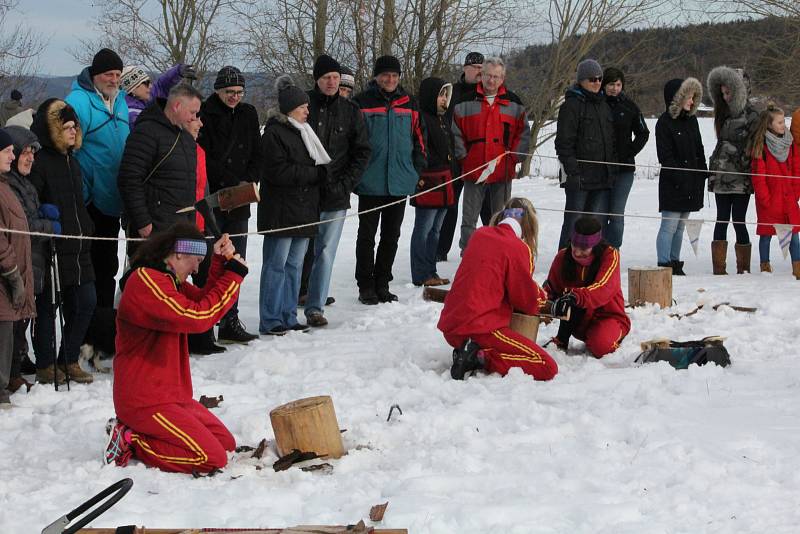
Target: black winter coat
[(679, 144), (441, 145), (158, 172), (340, 127), (231, 138), (290, 182), (628, 121), (461, 90), (585, 130)]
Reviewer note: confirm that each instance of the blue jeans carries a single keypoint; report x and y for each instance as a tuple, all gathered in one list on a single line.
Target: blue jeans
[(670, 235), (325, 244), (424, 242), (577, 200), (765, 240), (77, 305), (280, 281), (617, 200)]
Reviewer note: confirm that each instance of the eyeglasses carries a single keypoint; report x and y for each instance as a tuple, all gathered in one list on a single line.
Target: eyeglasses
[(491, 77), (231, 92), (595, 79), (69, 127)]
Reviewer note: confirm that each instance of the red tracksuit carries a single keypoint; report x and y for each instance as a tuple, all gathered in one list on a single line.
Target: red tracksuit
[(494, 279), (605, 323), (152, 380)]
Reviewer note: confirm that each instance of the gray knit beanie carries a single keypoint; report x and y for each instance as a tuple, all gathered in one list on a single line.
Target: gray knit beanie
[(589, 68)]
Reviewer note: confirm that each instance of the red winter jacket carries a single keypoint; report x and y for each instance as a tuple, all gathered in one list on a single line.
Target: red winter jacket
[(200, 188), (600, 297), (776, 198), (154, 318), (494, 279), (483, 132)]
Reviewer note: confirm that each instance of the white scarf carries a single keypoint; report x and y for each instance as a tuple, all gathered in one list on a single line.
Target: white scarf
[(312, 142), (514, 224)]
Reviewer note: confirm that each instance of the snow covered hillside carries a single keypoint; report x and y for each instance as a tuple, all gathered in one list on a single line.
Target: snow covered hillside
[(608, 446)]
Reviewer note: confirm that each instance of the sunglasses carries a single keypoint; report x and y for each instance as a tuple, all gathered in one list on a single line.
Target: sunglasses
[(595, 79)]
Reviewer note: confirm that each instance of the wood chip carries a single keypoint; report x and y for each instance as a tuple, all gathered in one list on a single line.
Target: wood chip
[(259, 452), (377, 511), (210, 402)]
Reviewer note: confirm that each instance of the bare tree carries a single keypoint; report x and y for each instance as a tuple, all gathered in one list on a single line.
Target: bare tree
[(20, 49)]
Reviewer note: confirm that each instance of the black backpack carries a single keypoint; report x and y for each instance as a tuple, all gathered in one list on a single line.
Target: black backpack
[(681, 354)]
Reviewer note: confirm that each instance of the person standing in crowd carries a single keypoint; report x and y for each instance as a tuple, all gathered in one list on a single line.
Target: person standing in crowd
[(56, 175), (140, 90), (584, 284), (340, 127), (11, 107), (631, 134), (679, 145), (487, 123), (347, 83), (734, 121), (585, 131), (294, 168), (231, 138), (495, 279), (26, 145), (16, 272), (430, 208), (775, 153), (158, 421), (102, 116), (158, 172), (397, 138)]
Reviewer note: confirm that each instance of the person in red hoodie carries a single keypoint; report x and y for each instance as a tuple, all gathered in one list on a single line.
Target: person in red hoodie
[(494, 279), (158, 422), (584, 280)]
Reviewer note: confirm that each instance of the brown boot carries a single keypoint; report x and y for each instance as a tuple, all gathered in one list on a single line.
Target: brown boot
[(76, 374), (17, 382), (766, 267), (45, 376), (796, 269), (743, 258), (719, 253)]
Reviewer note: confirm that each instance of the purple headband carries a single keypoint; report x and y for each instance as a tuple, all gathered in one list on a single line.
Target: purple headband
[(514, 213), (195, 247), (586, 241)]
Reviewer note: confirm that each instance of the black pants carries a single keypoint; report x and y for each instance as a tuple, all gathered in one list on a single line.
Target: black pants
[(374, 271), (732, 207), (199, 279), (233, 226), (78, 304), (104, 256), (448, 230), (20, 346)]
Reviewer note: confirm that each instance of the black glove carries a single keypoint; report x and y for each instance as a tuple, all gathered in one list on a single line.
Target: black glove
[(563, 304), (237, 267), (188, 72), (16, 288)]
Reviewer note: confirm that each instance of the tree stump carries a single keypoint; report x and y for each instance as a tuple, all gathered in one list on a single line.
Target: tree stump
[(650, 285), (527, 325), (308, 425)]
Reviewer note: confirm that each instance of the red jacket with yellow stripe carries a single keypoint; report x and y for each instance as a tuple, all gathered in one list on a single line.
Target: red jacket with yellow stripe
[(600, 296), (156, 313), (495, 278), (483, 131)]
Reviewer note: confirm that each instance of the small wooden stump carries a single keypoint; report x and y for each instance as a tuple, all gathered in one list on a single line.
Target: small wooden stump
[(527, 325), (434, 294), (308, 425), (650, 285)]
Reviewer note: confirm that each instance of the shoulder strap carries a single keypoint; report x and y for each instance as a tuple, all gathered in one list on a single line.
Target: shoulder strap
[(157, 165)]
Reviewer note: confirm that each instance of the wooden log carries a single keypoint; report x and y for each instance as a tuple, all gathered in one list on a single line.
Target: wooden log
[(144, 530), (433, 294), (308, 425), (527, 325), (650, 285)]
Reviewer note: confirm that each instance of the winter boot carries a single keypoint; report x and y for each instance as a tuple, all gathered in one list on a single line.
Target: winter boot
[(384, 295), (368, 297), (677, 268), (17, 382), (45, 376), (796, 269), (118, 447), (231, 330), (743, 258), (719, 253), (76, 374), (465, 360), (204, 344), (766, 267)]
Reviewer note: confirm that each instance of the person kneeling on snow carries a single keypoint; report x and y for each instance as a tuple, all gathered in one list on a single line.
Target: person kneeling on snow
[(494, 279), (584, 280), (158, 422)]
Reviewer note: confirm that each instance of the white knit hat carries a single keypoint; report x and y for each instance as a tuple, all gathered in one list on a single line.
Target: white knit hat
[(131, 77)]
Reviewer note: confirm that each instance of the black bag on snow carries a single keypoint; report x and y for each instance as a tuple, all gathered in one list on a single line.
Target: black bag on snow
[(681, 354)]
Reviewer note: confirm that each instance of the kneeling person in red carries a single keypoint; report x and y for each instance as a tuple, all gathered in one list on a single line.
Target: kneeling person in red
[(495, 278), (584, 279), (159, 422)]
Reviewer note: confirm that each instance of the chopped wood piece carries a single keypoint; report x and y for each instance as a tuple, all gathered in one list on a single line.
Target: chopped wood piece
[(210, 402), (377, 511)]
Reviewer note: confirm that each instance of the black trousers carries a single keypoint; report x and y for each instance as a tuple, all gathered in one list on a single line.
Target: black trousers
[(732, 207), (104, 256), (232, 226), (374, 271)]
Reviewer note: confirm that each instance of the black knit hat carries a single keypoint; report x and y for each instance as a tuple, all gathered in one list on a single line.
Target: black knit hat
[(473, 58), (348, 80), (386, 64), (289, 95), (67, 114), (104, 61), (229, 76), (612, 74), (5, 140), (325, 64), (16, 95)]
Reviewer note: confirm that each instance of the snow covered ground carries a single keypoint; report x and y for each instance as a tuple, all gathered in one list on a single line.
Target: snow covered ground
[(606, 447)]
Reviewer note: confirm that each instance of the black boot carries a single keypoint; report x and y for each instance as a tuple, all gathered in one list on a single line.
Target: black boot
[(368, 297), (465, 360), (204, 344), (384, 295), (231, 330), (677, 268)]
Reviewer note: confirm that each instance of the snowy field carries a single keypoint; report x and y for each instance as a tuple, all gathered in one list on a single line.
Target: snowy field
[(608, 446)]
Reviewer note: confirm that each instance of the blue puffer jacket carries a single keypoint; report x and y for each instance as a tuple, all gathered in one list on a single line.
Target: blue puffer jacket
[(104, 136)]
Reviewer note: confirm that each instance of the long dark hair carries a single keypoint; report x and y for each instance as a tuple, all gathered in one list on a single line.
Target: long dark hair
[(160, 245), (585, 225)]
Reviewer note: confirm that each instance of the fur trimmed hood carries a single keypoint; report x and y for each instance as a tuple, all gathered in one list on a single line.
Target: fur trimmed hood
[(47, 125), (676, 91), (736, 80)]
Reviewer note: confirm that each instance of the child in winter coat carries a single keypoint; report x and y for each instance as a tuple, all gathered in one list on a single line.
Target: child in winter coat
[(141, 91), (774, 153), (494, 279)]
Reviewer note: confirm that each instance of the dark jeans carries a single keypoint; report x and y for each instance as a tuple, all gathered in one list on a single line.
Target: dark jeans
[(233, 226), (104, 256), (448, 230), (732, 207), (6, 351), (77, 305), (618, 198), (20, 346), (577, 200), (374, 271)]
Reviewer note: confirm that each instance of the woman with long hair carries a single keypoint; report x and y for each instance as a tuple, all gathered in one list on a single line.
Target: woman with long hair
[(495, 279)]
